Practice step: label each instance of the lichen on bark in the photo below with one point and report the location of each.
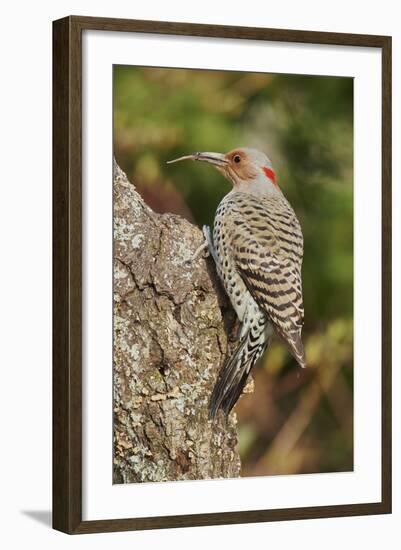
(171, 327)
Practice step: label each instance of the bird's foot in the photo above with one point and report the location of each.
(208, 236)
(204, 250)
(201, 251)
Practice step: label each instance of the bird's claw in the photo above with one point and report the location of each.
(201, 251)
(208, 236)
(204, 250)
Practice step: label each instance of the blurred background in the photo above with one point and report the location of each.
(295, 421)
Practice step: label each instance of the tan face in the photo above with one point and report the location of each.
(239, 167)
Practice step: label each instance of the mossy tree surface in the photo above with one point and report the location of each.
(171, 326)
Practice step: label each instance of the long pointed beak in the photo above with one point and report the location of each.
(218, 159)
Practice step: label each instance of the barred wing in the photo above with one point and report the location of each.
(268, 249)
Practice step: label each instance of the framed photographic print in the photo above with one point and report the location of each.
(222, 274)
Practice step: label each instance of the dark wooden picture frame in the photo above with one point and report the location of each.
(67, 274)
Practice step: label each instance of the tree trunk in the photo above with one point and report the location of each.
(171, 327)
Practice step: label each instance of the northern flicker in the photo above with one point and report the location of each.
(258, 248)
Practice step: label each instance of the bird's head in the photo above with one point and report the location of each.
(249, 170)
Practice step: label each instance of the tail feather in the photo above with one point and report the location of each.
(234, 374)
(227, 380)
(231, 398)
(293, 341)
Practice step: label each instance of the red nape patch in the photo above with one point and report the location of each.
(270, 174)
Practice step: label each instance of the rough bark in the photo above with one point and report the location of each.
(171, 326)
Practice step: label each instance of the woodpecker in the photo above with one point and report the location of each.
(257, 247)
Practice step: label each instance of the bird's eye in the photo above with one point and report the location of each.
(237, 159)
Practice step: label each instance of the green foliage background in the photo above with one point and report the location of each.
(294, 422)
